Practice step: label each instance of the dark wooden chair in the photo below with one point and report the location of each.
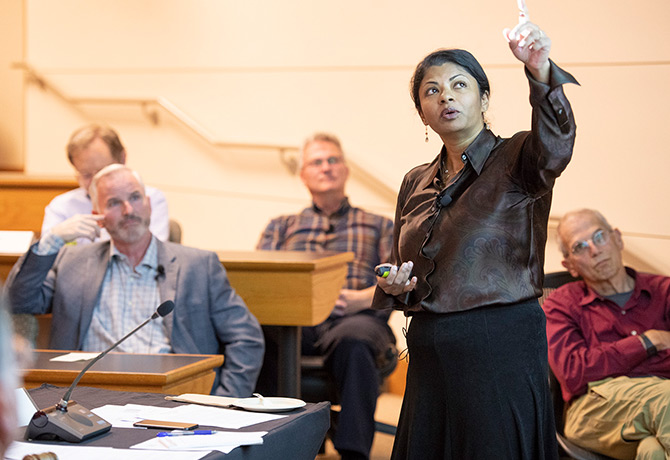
(317, 384)
(174, 232)
(553, 281)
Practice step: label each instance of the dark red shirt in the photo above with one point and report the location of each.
(590, 337)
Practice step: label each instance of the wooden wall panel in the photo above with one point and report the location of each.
(23, 198)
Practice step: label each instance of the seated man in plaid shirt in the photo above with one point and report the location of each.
(354, 335)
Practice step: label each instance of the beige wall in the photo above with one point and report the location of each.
(11, 82)
(273, 72)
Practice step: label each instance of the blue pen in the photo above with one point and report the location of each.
(163, 434)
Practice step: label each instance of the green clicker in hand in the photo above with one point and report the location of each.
(383, 270)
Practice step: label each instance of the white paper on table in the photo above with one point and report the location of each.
(215, 416)
(15, 242)
(20, 449)
(125, 416)
(223, 441)
(25, 406)
(207, 400)
(72, 357)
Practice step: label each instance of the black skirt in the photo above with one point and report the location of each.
(477, 387)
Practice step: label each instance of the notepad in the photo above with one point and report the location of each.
(15, 242)
(25, 406)
(207, 400)
(223, 441)
(74, 357)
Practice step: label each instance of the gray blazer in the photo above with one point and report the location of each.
(209, 317)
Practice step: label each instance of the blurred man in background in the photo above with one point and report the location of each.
(90, 149)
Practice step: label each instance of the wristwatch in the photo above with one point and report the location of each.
(650, 347)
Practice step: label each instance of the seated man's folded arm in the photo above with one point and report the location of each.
(575, 361)
(30, 284)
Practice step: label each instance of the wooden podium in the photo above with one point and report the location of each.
(289, 289)
(22, 202)
(7, 261)
(150, 373)
(24, 197)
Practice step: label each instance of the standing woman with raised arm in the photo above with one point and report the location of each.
(469, 237)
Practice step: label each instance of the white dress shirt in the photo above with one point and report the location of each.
(77, 201)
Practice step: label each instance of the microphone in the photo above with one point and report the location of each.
(160, 271)
(445, 199)
(442, 199)
(68, 420)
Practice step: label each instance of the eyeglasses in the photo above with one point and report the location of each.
(599, 238)
(330, 160)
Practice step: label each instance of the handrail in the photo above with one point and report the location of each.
(289, 155)
(553, 223)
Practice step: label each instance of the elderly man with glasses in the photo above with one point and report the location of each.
(608, 338)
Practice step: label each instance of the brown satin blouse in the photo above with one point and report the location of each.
(480, 241)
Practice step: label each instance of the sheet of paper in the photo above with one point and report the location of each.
(125, 416)
(77, 452)
(222, 441)
(214, 416)
(15, 242)
(72, 357)
(25, 407)
(207, 400)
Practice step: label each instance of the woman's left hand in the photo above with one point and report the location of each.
(531, 46)
(399, 279)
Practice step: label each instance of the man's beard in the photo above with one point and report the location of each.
(130, 233)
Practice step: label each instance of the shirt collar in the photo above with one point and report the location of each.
(84, 192)
(344, 207)
(150, 258)
(476, 154)
(590, 295)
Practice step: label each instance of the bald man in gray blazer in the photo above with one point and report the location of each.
(92, 289)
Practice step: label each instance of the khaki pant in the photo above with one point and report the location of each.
(624, 418)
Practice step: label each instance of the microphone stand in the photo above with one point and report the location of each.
(70, 421)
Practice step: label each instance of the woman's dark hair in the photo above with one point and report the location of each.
(461, 58)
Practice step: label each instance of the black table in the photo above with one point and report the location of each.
(296, 437)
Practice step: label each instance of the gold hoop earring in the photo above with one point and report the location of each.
(426, 133)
